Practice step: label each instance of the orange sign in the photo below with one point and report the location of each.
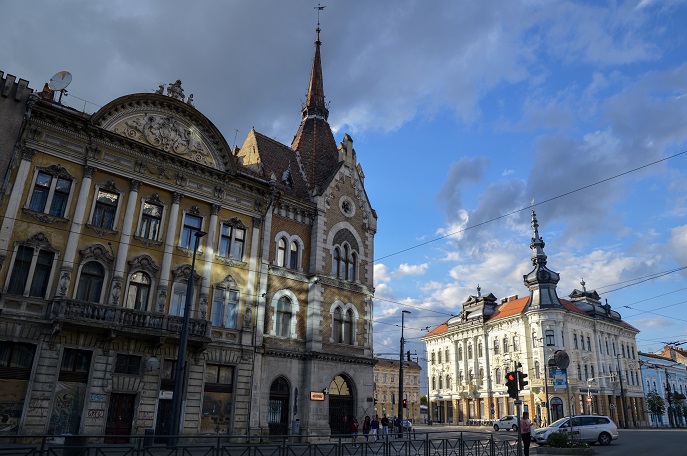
(316, 396)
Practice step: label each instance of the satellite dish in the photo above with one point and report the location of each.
(60, 81)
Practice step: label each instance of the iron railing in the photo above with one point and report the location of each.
(415, 444)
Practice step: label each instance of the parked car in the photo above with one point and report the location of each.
(507, 422)
(407, 425)
(585, 428)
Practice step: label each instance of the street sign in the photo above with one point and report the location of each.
(517, 402)
(316, 396)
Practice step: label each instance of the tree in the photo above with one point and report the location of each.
(423, 400)
(655, 403)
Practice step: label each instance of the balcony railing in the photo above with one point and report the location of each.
(100, 316)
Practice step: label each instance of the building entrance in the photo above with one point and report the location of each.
(278, 411)
(120, 416)
(557, 411)
(340, 406)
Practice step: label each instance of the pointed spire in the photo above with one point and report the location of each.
(315, 105)
(541, 281)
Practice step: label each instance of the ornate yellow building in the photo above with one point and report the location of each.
(386, 388)
(100, 215)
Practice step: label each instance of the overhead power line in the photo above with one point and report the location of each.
(508, 214)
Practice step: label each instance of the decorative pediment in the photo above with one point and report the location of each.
(235, 222)
(144, 262)
(56, 170)
(227, 283)
(39, 241)
(97, 252)
(167, 133)
(183, 272)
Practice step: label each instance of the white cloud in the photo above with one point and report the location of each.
(405, 269)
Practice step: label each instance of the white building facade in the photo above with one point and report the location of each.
(668, 379)
(470, 354)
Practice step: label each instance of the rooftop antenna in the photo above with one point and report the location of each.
(59, 83)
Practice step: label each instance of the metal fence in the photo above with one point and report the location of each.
(419, 444)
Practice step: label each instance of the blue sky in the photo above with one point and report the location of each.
(461, 112)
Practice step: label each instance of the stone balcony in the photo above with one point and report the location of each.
(114, 322)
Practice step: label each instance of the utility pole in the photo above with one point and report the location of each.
(670, 401)
(400, 375)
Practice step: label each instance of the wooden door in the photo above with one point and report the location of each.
(120, 418)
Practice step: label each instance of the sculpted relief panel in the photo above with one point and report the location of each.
(169, 134)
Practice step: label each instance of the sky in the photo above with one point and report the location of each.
(462, 113)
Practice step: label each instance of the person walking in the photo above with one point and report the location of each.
(374, 428)
(385, 425)
(366, 426)
(525, 428)
(354, 431)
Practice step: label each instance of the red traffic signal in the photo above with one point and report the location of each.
(512, 384)
(405, 403)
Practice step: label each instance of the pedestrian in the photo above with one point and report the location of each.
(525, 428)
(374, 427)
(366, 426)
(354, 431)
(537, 420)
(385, 425)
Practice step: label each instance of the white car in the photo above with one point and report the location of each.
(507, 422)
(585, 428)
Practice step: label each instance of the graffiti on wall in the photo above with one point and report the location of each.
(67, 408)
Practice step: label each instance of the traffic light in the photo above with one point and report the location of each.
(405, 403)
(375, 401)
(408, 354)
(512, 384)
(522, 383)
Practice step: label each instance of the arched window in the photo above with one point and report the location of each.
(139, 290)
(337, 262)
(469, 351)
(461, 377)
(91, 282)
(337, 335)
(537, 373)
(439, 355)
(592, 369)
(623, 349)
(281, 252)
(535, 341)
(497, 374)
(460, 353)
(284, 317)
(348, 328)
(446, 355)
(579, 372)
(496, 346)
(575, 341)
(586, 372)
(441, 384)
(448, 382)
(481, 375)
(479, 350)
(505, 344)
(352, 269)
(293, 256)
(345, 263)
(434, 383)
(516, 343)
(433, 357)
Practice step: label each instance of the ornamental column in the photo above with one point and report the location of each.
(75, 232)
(210, 248)
(167, 256)
(14, 202)
(124, 241)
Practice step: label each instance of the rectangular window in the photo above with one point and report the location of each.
(22, 274)
(151, 219)
(191, 226)
(50, 194)
(225, 308)
(20, 270)
(178, 302)
(105, 209)
(231, 242)
(239, 240)
(128, 364)
(550, 338)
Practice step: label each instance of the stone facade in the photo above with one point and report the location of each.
(96, 257)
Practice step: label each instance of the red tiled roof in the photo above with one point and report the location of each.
(441, 329)
(510, 308)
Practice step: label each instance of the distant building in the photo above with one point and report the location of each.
(660, 374)
(470, 354)
(386, 379)
(99, 214)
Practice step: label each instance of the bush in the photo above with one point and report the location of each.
(563, 440)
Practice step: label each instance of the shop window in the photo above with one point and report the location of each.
(217, 399)
(16, 361)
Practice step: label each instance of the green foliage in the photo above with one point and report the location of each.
(655, 403)
(423, 400)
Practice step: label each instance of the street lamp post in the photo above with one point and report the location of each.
(179, 376)
(671, 419)
(400, 375)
